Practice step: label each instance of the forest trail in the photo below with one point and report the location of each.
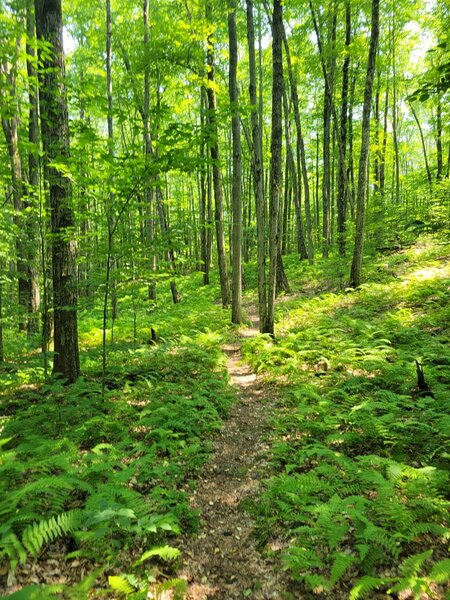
(223, 561)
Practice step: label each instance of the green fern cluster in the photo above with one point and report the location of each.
(362, 452)
(104, 477)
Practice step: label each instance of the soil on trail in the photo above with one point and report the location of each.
(223, 561)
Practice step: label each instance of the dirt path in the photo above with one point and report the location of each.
(223, 561)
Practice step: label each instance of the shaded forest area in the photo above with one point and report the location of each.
(170, 168)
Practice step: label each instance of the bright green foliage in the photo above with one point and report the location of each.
(361, 451)
(103, 478)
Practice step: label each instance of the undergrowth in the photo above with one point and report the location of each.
(361, 499)
(101, 483)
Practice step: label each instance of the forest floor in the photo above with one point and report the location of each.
(223, 561)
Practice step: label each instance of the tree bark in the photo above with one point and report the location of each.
(301, 154)
(290, 163)
(276, 173)
(204, 230)
(439, 155)
(257, 169)
(55, 140)
(342, 187)
(355, 273)
(424, 148)
(217, 175)
(236, 198)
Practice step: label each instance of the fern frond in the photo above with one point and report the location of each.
(37, 535)
(166, 553)
(412, 565)
(364, 585)
(341, 563)
(440, 572)
(120, 584)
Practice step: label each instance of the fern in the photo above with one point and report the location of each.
(365, 585)
(441, 571)
(120, 584)
(37, 535)
(412, 565)
(166, 553)
(340, 564)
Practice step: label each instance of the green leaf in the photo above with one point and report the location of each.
(341, 563)
(166, 553)
(441, 571)
(120, 584)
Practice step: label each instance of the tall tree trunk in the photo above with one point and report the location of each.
(33, 171)
(439, 156)
(276, 173)
(351, 165)
(384, 144)
(355, 273)
(148, 150)
(290, 163)
(236, 199)
(424, 148)
(301, 154)
(257, 167)
(327, 113)
(395, 116)
(55, 140)
(217, 175)
(204, 230)
(342, 187)
(10, 125)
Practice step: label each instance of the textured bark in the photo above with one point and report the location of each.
(236, 199)
(301, 154)
(55, 140)
(355, 273)
(10, 125)
(327, 114)
(342, 188)
(204, 230)
(439, 156)
(276, 174)
(384, 144)
(292, 172)
(144, 110)
(424, 148)
(351, 166)
(33, 171)
(396, 187)
(257, 168)
(217, 175)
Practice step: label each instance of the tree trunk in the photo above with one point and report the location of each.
(384, 144)
(290, 163)
(236, 199)
(204, 230)
(355, 274)
(301, 154)
(217, 175)
(55, 140)
(395, 117)
(276, 173)
(439, 156)
(257, 168)
(342, 187)
(10, 125)
(424, 148)
(33, 171)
